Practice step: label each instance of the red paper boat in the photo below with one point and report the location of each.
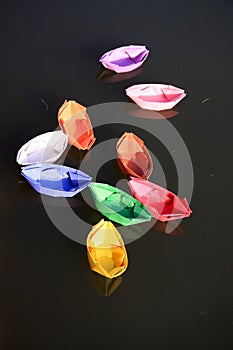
(133, 156)
(163, 204)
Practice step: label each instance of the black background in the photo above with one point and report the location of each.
(177, 291)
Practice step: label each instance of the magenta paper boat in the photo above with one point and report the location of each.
(124, 59)
(157, 97)
(163, 204)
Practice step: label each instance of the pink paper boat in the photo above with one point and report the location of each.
(163, 204)
(157, 97)
(124, 59)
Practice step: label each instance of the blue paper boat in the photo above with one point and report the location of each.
(56, 180)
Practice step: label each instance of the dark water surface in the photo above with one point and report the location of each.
(177, 291)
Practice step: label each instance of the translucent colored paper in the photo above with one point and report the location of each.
(156, 97)
(44, 148)
(134, 156)
(124, 59)
(117, 205)
(106, 251)
(56, 180)
(75, 122)
(163, 204)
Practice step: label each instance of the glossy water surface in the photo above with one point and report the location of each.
(177, 291)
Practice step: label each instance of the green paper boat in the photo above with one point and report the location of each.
(117, 205)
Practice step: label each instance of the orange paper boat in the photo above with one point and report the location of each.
(133, 156)
(75, 122)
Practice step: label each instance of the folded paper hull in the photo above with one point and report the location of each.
(106, 251)
(157, 97)
(133, 156)
(163, 204)
(75, 122)
(117, 205)
(44, 148)
(56, 180)
(125, 58)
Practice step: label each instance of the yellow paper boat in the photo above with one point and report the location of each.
(106, 251)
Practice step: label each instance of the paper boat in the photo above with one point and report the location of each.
(163, 204)
(44, 148)
(134, 156)
(117, 205)
(157, 97)
(56, 180)
(106, 251)
(75, 122)
(124, 59)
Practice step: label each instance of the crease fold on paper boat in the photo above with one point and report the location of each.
(124, 59)
(157, 97)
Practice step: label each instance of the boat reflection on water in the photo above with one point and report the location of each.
(134, 232)
(104, 286)
(77, 203)
(107, 76)
(172, 228)
(135, 111)
(78, 156)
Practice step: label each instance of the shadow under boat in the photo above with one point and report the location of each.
(135, 111)
(107, 76)
(103, 285)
